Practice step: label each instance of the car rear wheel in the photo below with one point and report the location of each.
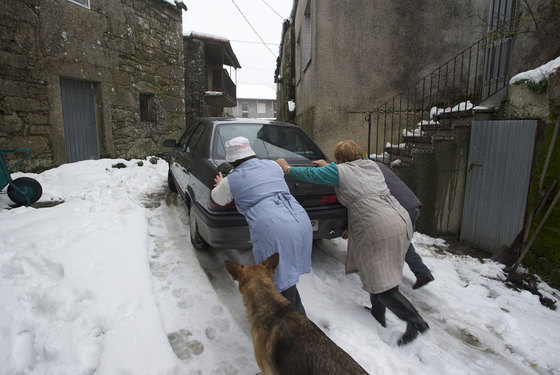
(196, 240)
(171, 182)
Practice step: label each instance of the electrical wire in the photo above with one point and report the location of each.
(273, 10)
(249, 23)
(250, 42)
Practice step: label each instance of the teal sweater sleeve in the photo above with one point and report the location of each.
(327, 175)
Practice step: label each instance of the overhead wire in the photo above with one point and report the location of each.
(253, 42)
(249, 23)
(273, 9)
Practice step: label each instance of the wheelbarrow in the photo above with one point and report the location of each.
(24, 190)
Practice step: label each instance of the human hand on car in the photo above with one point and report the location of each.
(218, 179)
(344, 234)
(320, 163)
(283, 164)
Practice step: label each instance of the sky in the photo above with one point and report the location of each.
(100, 278)
(222, 18)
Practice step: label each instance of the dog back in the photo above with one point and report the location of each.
(285, 342)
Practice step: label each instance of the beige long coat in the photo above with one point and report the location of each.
(379, 228)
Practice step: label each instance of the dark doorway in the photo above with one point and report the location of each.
(78, 114)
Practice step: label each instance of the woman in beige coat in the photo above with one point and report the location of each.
(379, 230)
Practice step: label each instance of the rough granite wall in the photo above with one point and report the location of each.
(195, 79)
(123, 47)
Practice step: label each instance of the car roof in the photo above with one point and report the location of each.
(242, 120)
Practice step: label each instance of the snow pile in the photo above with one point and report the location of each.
(463, 106)
(538, 74)
(74, 278)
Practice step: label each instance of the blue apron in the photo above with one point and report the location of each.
(277, 222)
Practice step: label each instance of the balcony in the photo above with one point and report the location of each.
(223, 91)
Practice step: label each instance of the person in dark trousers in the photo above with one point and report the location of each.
(412, 205)
(379, 231)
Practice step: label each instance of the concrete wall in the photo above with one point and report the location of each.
(438, 178)
(363, 53)
(123, 47)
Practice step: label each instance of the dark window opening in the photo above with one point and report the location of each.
(147, 108)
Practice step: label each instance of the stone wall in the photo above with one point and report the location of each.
(542, 102)
(123, 47)
(286, 76)
(195, 79)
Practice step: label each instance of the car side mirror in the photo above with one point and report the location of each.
(225, 167)
(169, 143)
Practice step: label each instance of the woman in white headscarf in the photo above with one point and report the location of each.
(277, 222)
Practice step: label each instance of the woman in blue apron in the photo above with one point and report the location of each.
(277, 222)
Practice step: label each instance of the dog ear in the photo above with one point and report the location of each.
(234, 269)
(272, 262)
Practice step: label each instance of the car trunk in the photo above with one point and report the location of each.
(311, 195)
(307, 194)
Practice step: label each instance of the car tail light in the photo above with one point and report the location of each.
(329, 199)
(216, 206)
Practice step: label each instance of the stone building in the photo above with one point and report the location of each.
(84, 79)
(341, 60)
(430, 78)
(209, 88)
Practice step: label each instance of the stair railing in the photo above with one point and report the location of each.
(452, 89)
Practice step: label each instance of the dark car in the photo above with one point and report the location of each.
(196, 157)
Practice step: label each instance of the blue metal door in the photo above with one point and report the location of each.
(78, 113)
(498, 176)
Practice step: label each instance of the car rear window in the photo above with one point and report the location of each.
(268, 141)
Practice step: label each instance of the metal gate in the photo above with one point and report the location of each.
(78, 113)
(498, 176)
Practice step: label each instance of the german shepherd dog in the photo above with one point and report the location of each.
(285, 342)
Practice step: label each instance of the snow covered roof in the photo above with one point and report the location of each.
(255, 92)
(177, 3)
(217, 48)
(199, 35)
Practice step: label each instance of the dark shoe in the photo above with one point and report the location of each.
(412, 331)
(423, 281)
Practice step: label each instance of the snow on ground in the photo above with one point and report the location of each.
(106, 282)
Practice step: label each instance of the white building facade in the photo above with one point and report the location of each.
(255, 101)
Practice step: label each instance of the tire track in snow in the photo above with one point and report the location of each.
(200, 327)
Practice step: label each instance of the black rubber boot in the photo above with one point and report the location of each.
(378, 310)
(412, 331)
(404, 310)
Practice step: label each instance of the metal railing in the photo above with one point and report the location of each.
(452, 89)
(223, 83)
